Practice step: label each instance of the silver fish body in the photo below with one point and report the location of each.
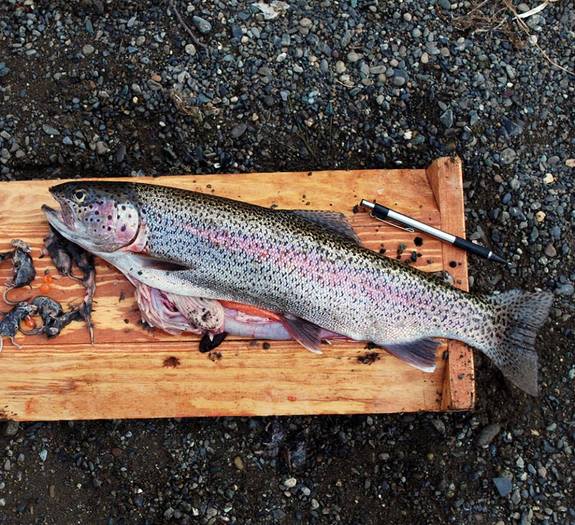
(315, 276)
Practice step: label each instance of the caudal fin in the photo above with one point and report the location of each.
(519, 316)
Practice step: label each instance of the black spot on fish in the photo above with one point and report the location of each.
(109, 217)
(123, 228)
(418, 241)
(452, 264)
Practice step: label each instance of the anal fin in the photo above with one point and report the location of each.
(419, 354)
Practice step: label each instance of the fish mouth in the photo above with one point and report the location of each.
(57, 220)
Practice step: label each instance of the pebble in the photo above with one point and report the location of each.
(550, 250)
(43, 454)
(88, 49)
(202, 24)
(508, 155)
(447, 118)
(290, 483)
(339, 67)
(190, 49)
(399, 80)
(445, 4)
(101, 148)
(49, 130)
(239, 130)
(353, 57)
(239, 463)
(565, 289)
(503, 486)
(488, 434)
(11, 428)
(549, 178)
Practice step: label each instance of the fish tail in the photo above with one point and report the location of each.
(517, 317)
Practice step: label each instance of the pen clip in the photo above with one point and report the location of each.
(409, 229)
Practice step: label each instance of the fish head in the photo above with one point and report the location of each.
(103, 214)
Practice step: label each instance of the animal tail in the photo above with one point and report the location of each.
(518, 316)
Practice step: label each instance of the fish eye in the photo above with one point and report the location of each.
(79, 196)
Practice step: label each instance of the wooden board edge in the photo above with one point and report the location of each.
(445, 176)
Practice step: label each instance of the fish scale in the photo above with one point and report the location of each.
(314, 276)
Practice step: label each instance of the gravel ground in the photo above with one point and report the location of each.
(106, 87)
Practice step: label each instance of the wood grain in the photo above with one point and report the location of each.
(129, 373)
(446, 180)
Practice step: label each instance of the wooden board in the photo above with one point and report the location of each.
(132, 372)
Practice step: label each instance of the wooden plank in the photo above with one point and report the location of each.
(446, 180)
(127, 374)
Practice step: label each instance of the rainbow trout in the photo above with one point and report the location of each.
(306, 267)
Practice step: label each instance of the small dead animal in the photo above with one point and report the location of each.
(23, 271)
(10, 322)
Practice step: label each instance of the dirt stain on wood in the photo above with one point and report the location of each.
(171, 362)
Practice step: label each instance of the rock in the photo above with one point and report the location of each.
(398, 80)
(488, 434)
(49, 130)
(570, 163)
(508, 155)
(339, 67)
(447, 118)
(424, 58)
(445, 4)
(550, 250)
(202, 24)
(190, 49)
(439, 425)
(238, 463)
(43, 454)
(549, 178)
(305, 22)
(290, 483)
(11, 428)
(565, 289)
(239, 130)
(101, 148)
(540, 216)
(503, 486)
(88, 49)
(353, 57)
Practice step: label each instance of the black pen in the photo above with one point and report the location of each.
(382, 213)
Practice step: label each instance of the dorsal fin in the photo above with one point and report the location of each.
(332, 220)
